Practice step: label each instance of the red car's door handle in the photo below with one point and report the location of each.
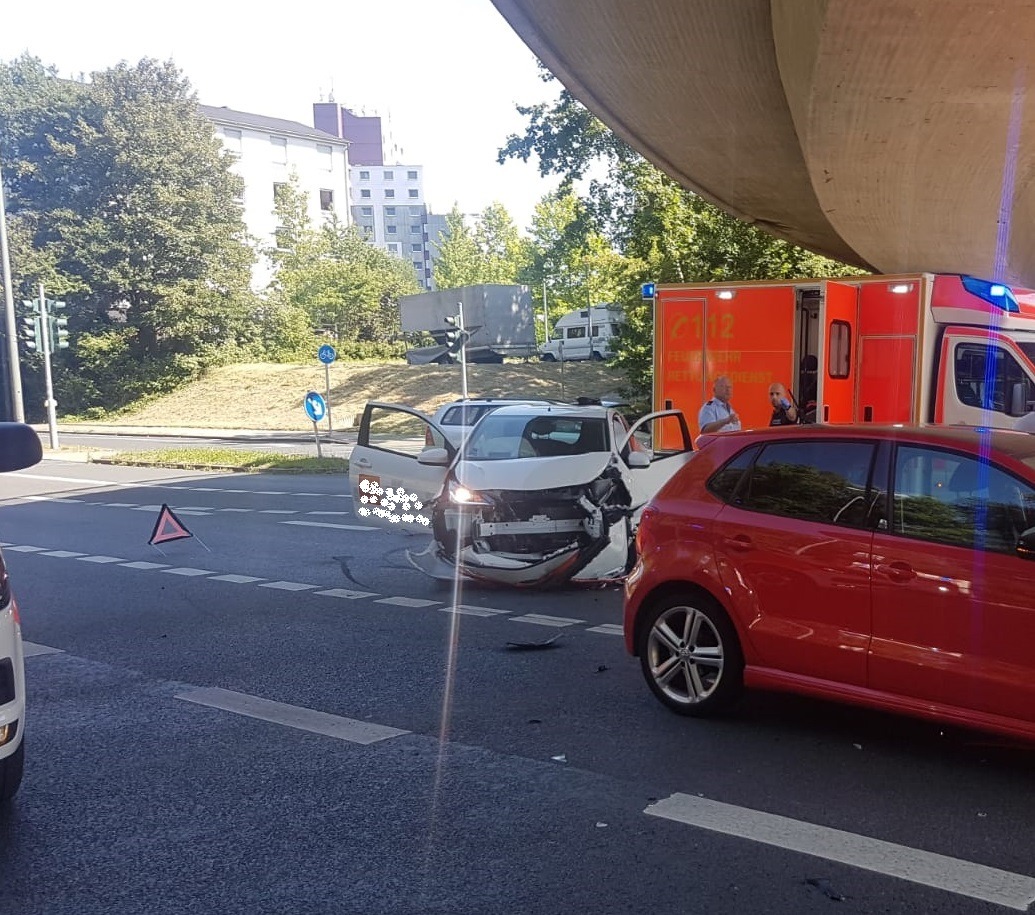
(897, 570)
(740, 542)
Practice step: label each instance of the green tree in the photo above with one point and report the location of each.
(577, 264)
(490, 252)
(459, 261)
(502, 251)
(122, 201)
(334, 276)
(664, 232)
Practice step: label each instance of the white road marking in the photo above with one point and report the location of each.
(237, 579)
(328, 513)
(145, 484)
(340, 527)
(288, 586)
(292, 716)
(407, 602)
(147, 508)
(34, 650)
(342, 593)
(117, 504)
(469, 610)
(234, 509)
(607, 629)
(278, 511)
(540, 619)
(1015, 891)
(189, 511)
(347, 594)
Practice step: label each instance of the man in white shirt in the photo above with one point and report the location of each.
(717, 415)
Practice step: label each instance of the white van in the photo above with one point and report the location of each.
(585, 334)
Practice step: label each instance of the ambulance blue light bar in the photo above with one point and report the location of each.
(996, 294)
(648, 290)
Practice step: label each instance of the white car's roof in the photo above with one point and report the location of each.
(569, 410)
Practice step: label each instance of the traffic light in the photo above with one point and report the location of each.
(456, 335)
(58, 333)
(30, 332)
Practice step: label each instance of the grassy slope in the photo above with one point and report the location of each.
(259, 396)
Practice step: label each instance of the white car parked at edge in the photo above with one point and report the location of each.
(535, 495)
(19, 448)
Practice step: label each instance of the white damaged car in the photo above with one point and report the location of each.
(537, 495)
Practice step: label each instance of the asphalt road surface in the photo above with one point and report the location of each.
(280, 715)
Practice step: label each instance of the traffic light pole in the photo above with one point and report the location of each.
(45, 346)
(10, 322)
(463, 349)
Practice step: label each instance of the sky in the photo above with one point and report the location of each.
(444, 74)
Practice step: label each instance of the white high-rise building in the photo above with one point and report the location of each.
(387, 199)
(269, 152)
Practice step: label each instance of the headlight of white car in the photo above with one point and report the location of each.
(461, 495)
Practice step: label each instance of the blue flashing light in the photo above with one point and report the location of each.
(648, 290)
(994, 293)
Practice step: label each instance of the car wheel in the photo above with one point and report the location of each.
(11, 773)
(597, 357)
(548, 357)
(690, 655)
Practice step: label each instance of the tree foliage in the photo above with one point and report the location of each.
(121, 200)
(492, 251)
(334, 276)
(658, 230)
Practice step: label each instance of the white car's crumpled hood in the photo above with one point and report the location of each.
(532, 473)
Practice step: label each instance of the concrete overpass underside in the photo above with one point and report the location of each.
(897, 135)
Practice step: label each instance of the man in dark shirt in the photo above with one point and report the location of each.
(784, 412)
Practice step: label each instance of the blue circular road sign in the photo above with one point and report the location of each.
(315, 406)
(327, 354)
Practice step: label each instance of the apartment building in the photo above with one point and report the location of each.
(386, 199)
(268, 152)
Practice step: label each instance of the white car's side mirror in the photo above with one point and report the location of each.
(436, 457)
(638, 459)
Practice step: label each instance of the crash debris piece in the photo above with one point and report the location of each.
(533, 646)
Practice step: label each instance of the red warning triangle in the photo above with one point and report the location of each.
(168, 527)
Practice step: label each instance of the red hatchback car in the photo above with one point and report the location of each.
(887, 567)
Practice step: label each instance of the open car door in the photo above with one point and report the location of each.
(657, 445)
(398, 467)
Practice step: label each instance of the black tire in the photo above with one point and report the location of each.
(548, 357)
(597, 357)
(11, 770)
(694, 665)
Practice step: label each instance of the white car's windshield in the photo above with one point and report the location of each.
(504, 438)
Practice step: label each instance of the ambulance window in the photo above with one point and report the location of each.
(839, 349)
(575, 333)
(986, 375)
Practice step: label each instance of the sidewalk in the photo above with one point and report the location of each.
(341, 437)
(345, 438)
